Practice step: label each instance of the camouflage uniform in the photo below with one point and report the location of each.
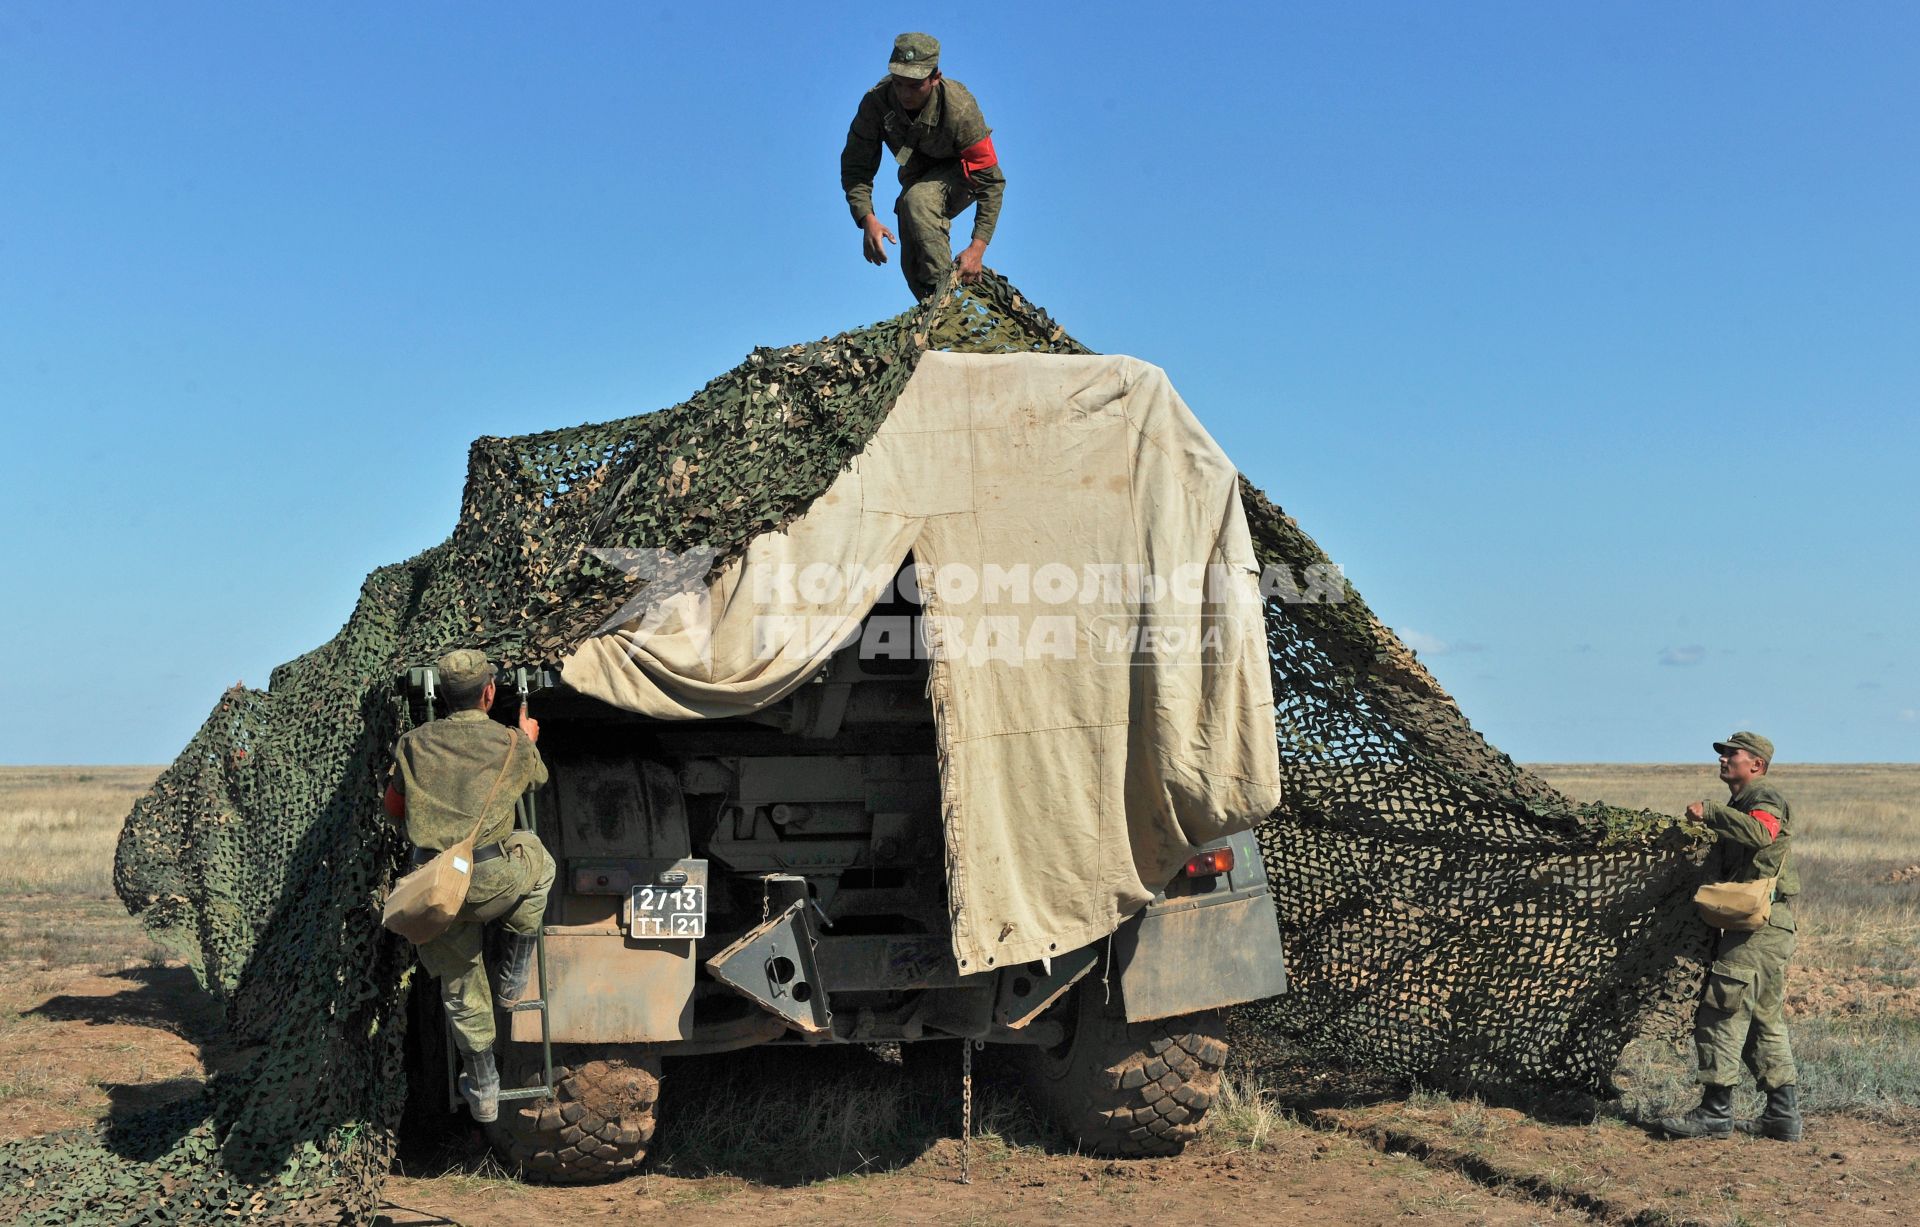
(445, 771)
(1741, 1014)
(947, 162)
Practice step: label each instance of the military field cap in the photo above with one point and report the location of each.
(915, 55)
(463, 668)
(1752, 743)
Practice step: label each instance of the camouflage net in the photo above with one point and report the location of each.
(1449, 916)
(1446, 914)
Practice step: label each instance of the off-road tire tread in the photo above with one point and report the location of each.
(1130, 1090)
(563, 1140)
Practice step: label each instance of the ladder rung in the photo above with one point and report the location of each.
(531, 1092)
(536, 1004)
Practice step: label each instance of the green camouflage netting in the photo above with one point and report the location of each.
(1447, 915)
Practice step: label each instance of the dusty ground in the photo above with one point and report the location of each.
(94, 1022)
(1303, 1178)
(106, 1043)
(1849, 1172)
(94, 1042)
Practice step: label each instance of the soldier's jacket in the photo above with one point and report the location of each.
(948, 129)
(445, 769)
(1753, 838)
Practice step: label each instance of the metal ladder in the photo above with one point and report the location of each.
(525, 820)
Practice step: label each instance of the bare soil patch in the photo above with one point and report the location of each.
(1815, 991)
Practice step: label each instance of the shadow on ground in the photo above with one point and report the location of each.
(169, 1001)
(165, 998)
(786, 1116)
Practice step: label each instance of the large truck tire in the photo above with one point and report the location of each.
(1127, 1089)
(597, 1125)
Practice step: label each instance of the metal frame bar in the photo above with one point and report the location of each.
(524, 813)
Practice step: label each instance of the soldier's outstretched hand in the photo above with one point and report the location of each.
(529, 725)
(873, 232)
(970, 258)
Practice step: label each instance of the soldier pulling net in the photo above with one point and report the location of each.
(1447, 915)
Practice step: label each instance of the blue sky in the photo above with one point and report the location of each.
(1586, 338)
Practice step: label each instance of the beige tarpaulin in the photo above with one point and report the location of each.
(1099, 668)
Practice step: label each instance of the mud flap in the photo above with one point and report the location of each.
(773, 966)
(1199, 955)
(591, 983)
(1214, 943)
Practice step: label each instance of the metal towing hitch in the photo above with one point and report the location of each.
(773, 964)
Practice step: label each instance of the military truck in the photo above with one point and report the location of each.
(781, 879)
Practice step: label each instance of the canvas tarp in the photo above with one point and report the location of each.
(1098, 660)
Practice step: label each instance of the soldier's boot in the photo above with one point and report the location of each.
(516, 971)
(1780, 1120)
(1712, 1119)
(480, 1085)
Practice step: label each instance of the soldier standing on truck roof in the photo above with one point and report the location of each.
(445, 771)
(1741, 1016)
(935, 131)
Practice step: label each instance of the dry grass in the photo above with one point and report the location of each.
(58, 826)
(781, 1115)
(1247, 1116)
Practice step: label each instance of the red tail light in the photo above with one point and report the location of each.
(1207, 864)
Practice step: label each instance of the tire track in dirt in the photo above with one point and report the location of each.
(1491, 1176)
(1849, 1169)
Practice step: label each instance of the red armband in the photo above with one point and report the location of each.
(979, 156)
(394, 802)
(1768, 821)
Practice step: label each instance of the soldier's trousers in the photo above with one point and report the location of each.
(925, 211)
(1742, 1012)
(511, 889)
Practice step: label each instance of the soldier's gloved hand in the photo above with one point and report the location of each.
(873, 232)
(969, 261)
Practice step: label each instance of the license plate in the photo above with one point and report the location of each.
(668, 911)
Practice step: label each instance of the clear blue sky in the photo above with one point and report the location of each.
(1587, 337)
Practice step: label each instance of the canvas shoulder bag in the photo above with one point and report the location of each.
(421, 905)
(1742, 907)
